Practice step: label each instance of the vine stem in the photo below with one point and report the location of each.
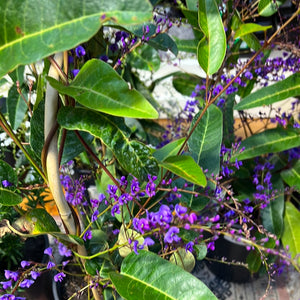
(52, 164)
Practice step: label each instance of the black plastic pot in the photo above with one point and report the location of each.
(232, 251)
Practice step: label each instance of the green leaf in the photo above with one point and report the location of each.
(205, 142)
(201, 251)
(145, 58)
(281, 90)
(212, 48)
(160, 42)
(8, 173)
(109, 94)
(185, 83)
(250, 39)
(38, 28)
(291, 231)
(133, 156)
(185, 167)
(247, 28)
(16, 107)
(189, 46)
(269, 141)
(292, 176)
(272, 214)
(183, 259)
(41, 221)
(151, 277)
(168, 150)
(254, 261)
(9, 198)
(267, 8)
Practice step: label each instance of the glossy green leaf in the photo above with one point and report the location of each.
(185, 167)
(247, 28)
(281, 90)
(250, 39)
(189, 46)
(269, 141)
(292, 176)
(272, 214)
(205, 142)
(254, 261)
(41, 221)
(267, 8)
(212, 48)
(291, 233)
(170, 149)
(109, 94)
(9, 198)
(38, 28)
(183, 259)
(185, 83)
(145, 58)
(8, 173)
(151, 277)
(133, 156)
(192, 4)
(201, 250)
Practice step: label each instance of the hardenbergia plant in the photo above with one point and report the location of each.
(83, 117)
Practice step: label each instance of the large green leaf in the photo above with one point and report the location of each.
(185, 167)
(146, 276)
(292, 176)
(9, 198)
(205, 142)
(269, 141)
(247, 28)
(291, 233)
(189, 46)
(99, 87)
(170, 149)
(133, 156)
(272, 214)
(267, 8)
(281, 90)
(31, 30)
(212, 48)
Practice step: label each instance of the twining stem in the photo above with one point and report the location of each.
(52, 164)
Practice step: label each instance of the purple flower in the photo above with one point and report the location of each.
(59, 277)
(75, 72)
(25, 263)
(34, 274)
(135, 187)
(11, 297)
(180, 210)
(189, 247)
(50, 265)
(63, 250)
(80, 51)
(6, 284)
(135, 246)
(248, 209)
(171, 235)
(143, 225)
(104, 58)
(87, 235)
(11, 275)
(148, 242)
(48, 251)
(248, 75)
(115, 210)
(150, 187)
(26, 283)
(6, 183)
(95, 215)
(192, 218)
(164, 215)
